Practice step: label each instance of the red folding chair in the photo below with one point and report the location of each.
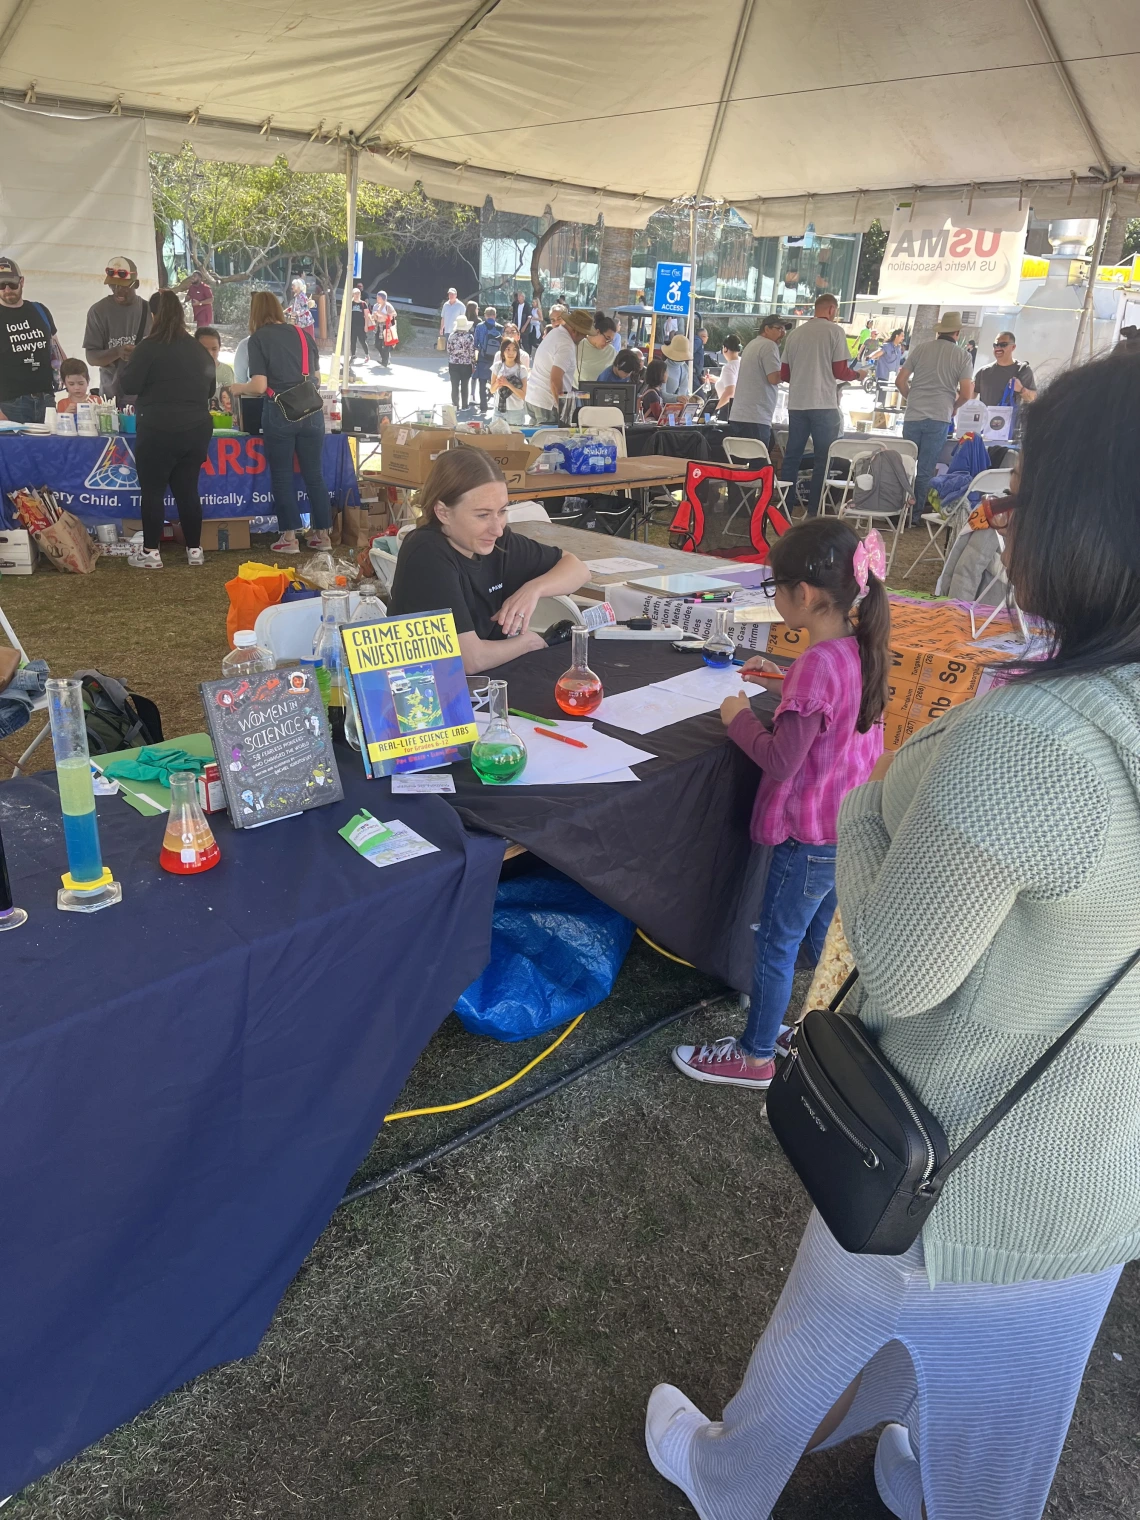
(706, 487)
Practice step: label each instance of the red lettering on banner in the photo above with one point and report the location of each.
(229, 452)
(208, 466)
(979, 242)
(255, 457)
(960, 241)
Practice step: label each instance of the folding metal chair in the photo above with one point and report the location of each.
(39, 704)
(844, 454)
(746, 451)
(892, 522)
(988, 482)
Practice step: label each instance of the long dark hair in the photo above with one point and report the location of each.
(169, 319)
(453, 474)
(821, 553)
(1075, 559)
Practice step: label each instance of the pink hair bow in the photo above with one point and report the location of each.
(870, 555)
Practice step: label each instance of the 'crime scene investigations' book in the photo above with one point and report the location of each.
(409, 691)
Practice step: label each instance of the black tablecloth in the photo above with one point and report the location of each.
(189, 1080)
(670, 851)
(704, 441)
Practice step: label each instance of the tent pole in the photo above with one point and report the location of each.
(344, 327)
(690, 324)
(1085, 323)
(652, 338)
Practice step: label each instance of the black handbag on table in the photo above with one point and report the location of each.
(871, 1155)
(303, 399)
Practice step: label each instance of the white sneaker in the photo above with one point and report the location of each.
(145, 559)
(897, 1474)
(195, 556)
(671, 1422)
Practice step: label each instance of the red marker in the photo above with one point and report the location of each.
(562, 738)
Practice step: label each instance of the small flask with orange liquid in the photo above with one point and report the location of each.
(578, 691)
(188, 846)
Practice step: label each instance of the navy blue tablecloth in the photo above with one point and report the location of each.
(188, 1081)
(95, 477)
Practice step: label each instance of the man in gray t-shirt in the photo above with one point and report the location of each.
(758, 384)
(935, 380)
(116, 323)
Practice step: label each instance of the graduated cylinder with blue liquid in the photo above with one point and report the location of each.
(87, 883)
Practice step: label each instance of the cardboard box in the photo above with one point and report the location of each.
(237, 529)
(511, 451)
(407, 453)
(132, 525)
(18, 552)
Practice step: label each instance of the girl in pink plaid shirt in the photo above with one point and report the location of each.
(825, 738)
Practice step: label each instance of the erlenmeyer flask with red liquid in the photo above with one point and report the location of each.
(578, 691)
(188, 846)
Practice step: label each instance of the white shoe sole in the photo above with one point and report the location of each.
(893, 1447)
(138, 564)
(706, 1076)
(665, 1403)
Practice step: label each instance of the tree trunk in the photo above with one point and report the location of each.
(536, 257)
(1114, 240)
(614, 263)
(925, 318)
(163, 272)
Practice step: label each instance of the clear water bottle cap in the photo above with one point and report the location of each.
(245, 638)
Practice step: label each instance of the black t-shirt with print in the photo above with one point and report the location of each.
(25, 351)
(431, 573)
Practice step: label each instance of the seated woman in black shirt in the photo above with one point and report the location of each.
(464, 556)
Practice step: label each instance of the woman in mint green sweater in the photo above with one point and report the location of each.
(989, 882)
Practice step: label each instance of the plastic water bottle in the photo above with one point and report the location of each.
(247, 657)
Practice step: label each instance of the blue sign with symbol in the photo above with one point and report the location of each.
(671, 290)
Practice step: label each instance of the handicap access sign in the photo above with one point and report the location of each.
(671, 290)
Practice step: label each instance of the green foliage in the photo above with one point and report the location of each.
(870, 259)
(1132, 238)
(254, 214)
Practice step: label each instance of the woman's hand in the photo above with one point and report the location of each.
(518, 609)
(758, 667)
(882, 765)
(731, 707)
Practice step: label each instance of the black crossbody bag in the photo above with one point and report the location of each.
(871, 1155)
(303, 399)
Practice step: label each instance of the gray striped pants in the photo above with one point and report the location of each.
(984, 1377)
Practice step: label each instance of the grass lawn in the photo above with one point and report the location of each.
(479, 1340)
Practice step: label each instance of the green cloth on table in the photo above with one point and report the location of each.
(155, 763)
(150, 797)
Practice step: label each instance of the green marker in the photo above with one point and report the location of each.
(517, 712)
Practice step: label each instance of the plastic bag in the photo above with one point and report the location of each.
(249, 597)
(322, 569)
(555, 951)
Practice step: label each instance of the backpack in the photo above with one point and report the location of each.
(889, 488)
(114, 717)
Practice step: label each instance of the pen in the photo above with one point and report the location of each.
(517, 712)
(577, 743)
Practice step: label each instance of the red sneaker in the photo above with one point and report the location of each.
(723, 1061)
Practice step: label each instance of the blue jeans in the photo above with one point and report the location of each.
(799, 903)
(26, 408)
(930, 435)
(823, 426)
(281, 439)
(761, 431)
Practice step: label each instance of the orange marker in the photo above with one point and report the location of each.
(562, 738)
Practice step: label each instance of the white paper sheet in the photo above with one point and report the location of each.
(706, 684)
(649, 708)
(620, 565)
(420, 782)
(550, 763)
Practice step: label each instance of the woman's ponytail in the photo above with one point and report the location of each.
(873, 635)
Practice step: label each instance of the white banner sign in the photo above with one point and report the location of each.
(940, 254)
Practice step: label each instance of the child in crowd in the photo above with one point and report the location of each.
(825, 739)
(76, 379)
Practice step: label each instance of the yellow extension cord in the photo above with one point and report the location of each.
(450, 1108)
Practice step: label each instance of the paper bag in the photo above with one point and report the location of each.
(67, 545)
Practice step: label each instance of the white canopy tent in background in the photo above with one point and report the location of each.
(826, 111)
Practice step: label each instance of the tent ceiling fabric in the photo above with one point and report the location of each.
(837, 107)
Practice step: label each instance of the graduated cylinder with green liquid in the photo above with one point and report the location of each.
(87, 883)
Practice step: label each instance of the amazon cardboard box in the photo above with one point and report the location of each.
(513, 454)
(407, 453)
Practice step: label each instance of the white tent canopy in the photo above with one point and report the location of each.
(827, 111)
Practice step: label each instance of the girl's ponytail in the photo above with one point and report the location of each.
(873, 635)
(821, 552)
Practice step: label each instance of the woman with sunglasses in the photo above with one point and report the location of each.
(987, 885)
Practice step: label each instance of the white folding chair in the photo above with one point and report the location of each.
(900, 446)
(989, 482)
(526, 511)
(750, 453)
(843, 454)
(553, 609)
(39, 704)
(998, 577)
(289, 628)
(604, 417)
(892, 522)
